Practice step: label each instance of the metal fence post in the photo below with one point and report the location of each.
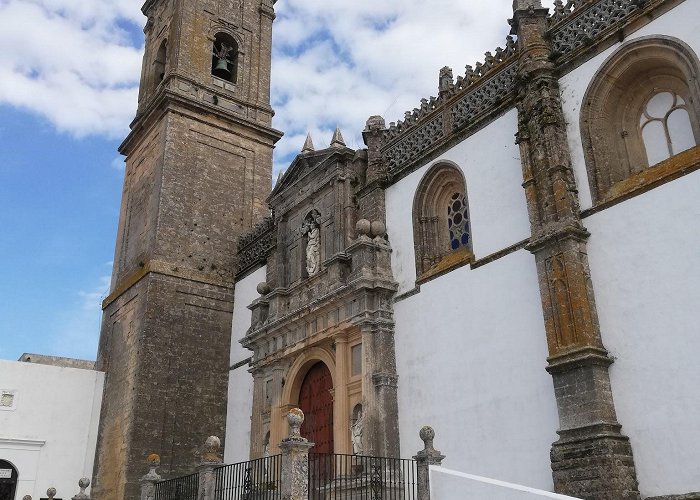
(148, 482)
(211, 460)
(424, 459)
(295, 459)
(83, 484)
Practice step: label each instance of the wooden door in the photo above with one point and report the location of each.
(8, 480)
(316, 401)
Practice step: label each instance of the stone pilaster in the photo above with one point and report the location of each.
(211, 460)
(372, 262)
(592, 458)
(295, 459)
(424, 459)
(341, 436)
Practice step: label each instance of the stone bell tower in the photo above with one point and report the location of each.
(198, 171)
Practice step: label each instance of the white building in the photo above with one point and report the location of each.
(601, 187)
(48, 424)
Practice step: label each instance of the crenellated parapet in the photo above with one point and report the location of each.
(459, 104)
(581, 23)
(488, 88)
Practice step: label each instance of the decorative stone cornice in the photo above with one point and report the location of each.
(255, 247)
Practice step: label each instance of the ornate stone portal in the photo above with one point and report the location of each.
(326, 306)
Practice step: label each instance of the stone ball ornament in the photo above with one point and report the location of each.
(378, 228)
(363, 227)
(51, 492)
(295, 418)
(263, 288)
(84, 483)
(427, 434)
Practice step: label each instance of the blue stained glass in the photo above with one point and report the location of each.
(449, 222)
(465, 238)
(455, 244)
(452, 235)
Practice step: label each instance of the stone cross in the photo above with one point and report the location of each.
(424, 459)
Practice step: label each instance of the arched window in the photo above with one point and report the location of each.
(8, 480)
(640, 109)
(224, 59)
(441, 227)
(161, 61)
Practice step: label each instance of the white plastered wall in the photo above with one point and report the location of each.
(470, 347)
(643, 258)
(50, 433)
(490, 161)
(240, 384)
(644, 262)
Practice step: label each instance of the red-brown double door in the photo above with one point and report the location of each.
(316, 401)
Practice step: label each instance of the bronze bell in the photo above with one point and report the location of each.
(221, 69)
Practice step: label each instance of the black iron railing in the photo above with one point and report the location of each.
(254, 480)
(355, 477)
(180, 488)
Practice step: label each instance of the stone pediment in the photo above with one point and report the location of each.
(306, 164)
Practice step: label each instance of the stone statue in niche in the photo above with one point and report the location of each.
(310, 228)
(356, 430)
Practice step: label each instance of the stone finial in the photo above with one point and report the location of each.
(337, 141)
(526, 5)
(308, 144)
(27, 497)
(428, 455)
(51, 492)
(446, 79)
(263, 288)
(211, 451)
(375, 122)
(82, 484)
(295, 418)
(363, 227)
(378, 228)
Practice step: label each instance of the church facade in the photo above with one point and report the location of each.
(513, 263)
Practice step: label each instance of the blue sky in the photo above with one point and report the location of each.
(66, 100)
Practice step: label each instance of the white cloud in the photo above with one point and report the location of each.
(335, 63)
(71, 62)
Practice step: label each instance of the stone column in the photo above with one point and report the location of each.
(82, 484)
(591, 459)
(211, 459)
(148, 482)
(256, 421)
(295, 459)
(424, 459)
(341, 436)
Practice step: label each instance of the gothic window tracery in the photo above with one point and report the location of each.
(441, 226)
(641, 109)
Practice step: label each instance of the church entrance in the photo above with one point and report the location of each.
(8, 480)
(316, 401)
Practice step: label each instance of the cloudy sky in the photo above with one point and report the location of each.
(69, 71)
